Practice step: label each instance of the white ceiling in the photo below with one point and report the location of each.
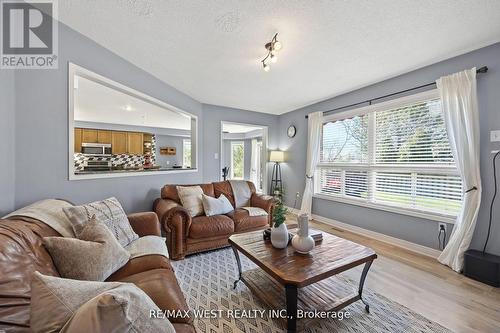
(97, 103)
(211, 50)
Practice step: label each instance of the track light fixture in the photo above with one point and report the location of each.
(272, 49)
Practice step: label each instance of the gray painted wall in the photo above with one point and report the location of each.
(416, 230)
(7, 141)
(41, 157)
(169, 141)
(212, 117)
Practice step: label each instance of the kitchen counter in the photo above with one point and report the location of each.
(129, 170)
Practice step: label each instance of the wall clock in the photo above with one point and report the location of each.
(291, 131)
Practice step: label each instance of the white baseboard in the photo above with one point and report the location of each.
(424, 250)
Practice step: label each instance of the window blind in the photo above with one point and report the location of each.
(399, 157)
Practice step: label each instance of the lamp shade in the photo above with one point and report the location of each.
(277, 156)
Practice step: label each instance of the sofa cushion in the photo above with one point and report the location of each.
(225, 188)
(102, 254)
(170, 191)
(243, 221)
(124, 309)
(209, 226)
(213, 206)
(139, 265)
(191, 199)
(109, 212)
(161, 285)
(22, 252)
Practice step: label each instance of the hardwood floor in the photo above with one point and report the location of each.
(424, 285)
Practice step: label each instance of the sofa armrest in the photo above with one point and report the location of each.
(176, 221)
(265, 202)
(145, 224)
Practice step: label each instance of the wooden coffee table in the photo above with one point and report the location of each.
(288, 280)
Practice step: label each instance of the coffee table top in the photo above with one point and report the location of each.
(329, 257)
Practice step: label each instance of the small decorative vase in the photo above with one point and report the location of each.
(279, 236)
(302, 242)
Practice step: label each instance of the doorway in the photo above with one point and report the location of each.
(243, 153)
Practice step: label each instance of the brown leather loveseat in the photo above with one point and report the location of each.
(188, 235)
(22, 253)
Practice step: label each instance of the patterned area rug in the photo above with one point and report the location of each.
(207, 282)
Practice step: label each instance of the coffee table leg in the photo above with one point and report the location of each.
(238, 262)
(291, 307)
(361, 284)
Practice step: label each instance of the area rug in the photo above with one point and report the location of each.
(207, 282)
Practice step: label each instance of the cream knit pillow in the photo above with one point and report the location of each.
(191, 199)
(219, 206)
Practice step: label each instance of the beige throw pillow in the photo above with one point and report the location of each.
(108, 211)
(124, 309)
(82, 306)
(94, 257)
(191, 199)
(219, 206)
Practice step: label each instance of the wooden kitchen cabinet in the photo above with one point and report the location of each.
(135, 143)
(104, 136)
(78, 140)
(119, 142)
(89, 135)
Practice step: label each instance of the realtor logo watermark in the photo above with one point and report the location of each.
(29, 34)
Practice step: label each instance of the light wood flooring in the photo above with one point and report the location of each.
(425, 286)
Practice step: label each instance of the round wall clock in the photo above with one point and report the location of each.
(291, 131)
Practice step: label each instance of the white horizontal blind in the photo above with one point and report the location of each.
(412, 134)
(398, 158)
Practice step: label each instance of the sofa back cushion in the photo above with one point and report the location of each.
(21, 253)
(170, 191)
(225, 188)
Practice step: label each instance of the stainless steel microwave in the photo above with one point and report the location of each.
(96, 149)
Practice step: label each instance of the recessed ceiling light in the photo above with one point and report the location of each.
(127, 108)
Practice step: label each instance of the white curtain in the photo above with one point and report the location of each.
(254, 164)
(314, 123)
(461, 115)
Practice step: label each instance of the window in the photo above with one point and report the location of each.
(394, 155)
(186, 153)
(237, 160)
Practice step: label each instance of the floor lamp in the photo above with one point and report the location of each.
(277, 156)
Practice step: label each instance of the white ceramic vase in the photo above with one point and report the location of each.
(302, 242)
(279, 236)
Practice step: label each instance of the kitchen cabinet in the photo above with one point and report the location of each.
(78, 140)
(104, 136)
(135, 143)
(119, 142)
(89, 135)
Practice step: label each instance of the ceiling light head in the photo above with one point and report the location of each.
(127, 108)
(266, 67)
(277, 46)
(274, 58)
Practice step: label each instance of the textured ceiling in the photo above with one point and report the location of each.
(211, 50)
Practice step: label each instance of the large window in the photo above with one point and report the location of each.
(393, 156)
(237, 160)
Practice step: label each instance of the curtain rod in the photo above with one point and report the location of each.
(483, 69)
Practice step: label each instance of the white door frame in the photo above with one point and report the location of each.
(263, 157)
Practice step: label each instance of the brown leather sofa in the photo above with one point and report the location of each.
(22, 253)
(187, 235)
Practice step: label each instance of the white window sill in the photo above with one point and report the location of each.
(404, 211)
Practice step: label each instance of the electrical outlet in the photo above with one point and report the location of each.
(442, 226)
(495, 136)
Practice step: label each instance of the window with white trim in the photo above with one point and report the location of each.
(394, 156)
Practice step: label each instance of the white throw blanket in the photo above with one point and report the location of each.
(255, 211)
(50, 212)
(241, 192)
